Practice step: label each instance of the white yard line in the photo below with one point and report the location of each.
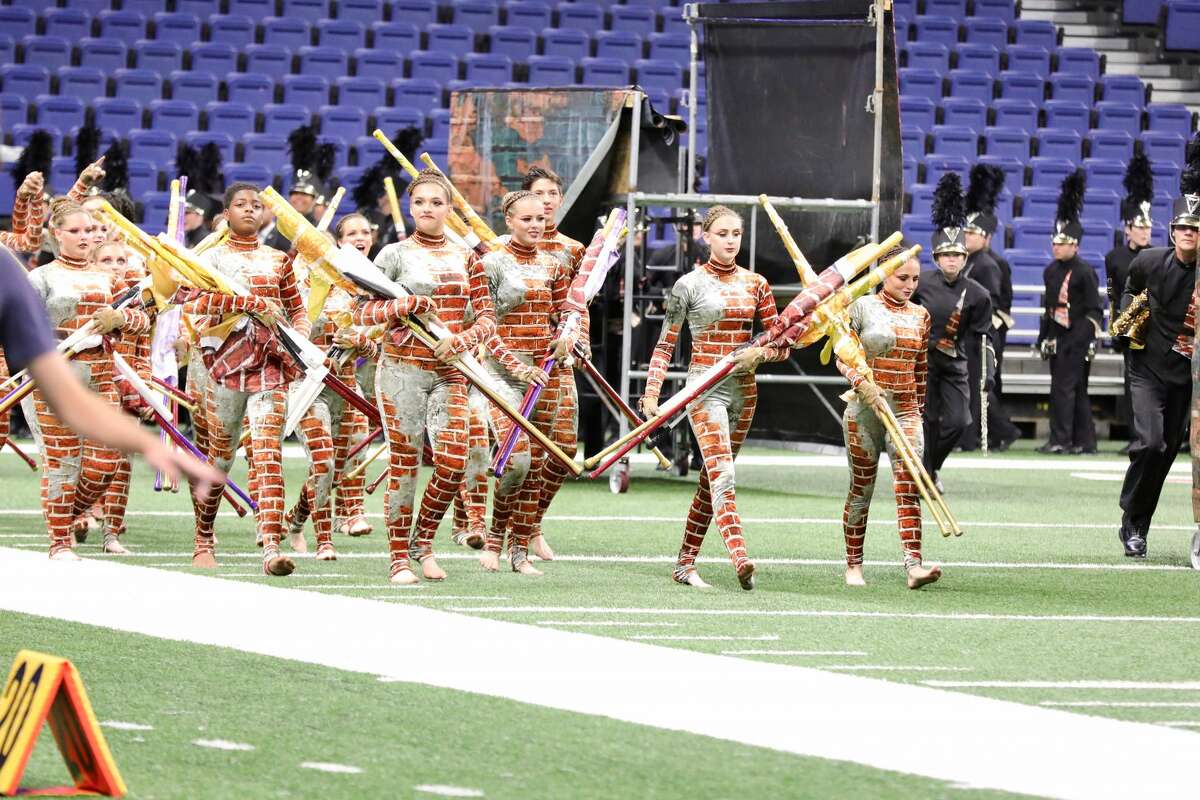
(295, 575)
(965, 739)
(322, 766)
(753, 612)
(448, 791)
(891, 668)
(222, 744)
(117, 725)
(653, 638)
(438, 597)
(1180, 723)
(1189, 686)
(793, 653)
(601, 623)
(1116, 704)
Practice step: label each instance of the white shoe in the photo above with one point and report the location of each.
(65, 555)
(1196, 550)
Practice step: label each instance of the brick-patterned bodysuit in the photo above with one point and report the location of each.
(25, 237)
(75, 472)
(527, 287)
(246, 377)
(417, 393)
(720, 303)
(895, 336)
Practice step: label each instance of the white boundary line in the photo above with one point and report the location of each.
(1115, 704)
(754, 612)
(654, 638)
(793, 653)
(1188, 686)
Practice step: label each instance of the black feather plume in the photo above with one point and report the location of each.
(1189, 179)
(984, 186)
(187, 162)
(326, 158)
(302, 145)
(211, 179)
(1139, 180)
(37, 156)
(949, 210)
(408, 141)
(116, 166)
(367, 191)
(87, 148)
(1070, 197)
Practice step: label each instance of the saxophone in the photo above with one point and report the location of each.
(1131, 323)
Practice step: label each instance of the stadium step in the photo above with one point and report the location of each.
(1152, 72)
(1098, 41)
(1059, 17)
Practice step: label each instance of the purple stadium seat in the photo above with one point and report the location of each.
(1050, 172)
(1170, 118)
(341, 33)
(532, 14)
(254, 90)
(271, 60)
(927, 55)
(1160, 208)
(604, 72)
(936, 166)
(1104, 173)
(367, 151)
(674, 23)
(142, 85)
(910, 168)
(103, 54)
(658, 74)
(155, 207)
(341, 149)
(955, 140)
(582, 16)
(50, 52)
(421, 13)
(920, 199)
(252, 8)
(8, 52)
(1069, 86)
(215, 57)
(456, 40)
(157, 147)
(438, 150)
(968, 83)
(223, 141)
(1163, 146)
(17, 21)
(979, 57)
(71, 24)
(280, 119)
(1103, 203)
(917, 110)
(515, 41)
(1006, 142)
(946, 8)
(1036, 32)
(670, 47)
(439, 123)
(434, 65)
(143, 177)
(367, 12)
(161, 57)
(1021, 86)
(917, 229)
(1067, 115)
(965, 111)
(620, 45)
(1097, 235)
(177, 27)
(1032, 232)
(30, 80)
(256, 174)
(22, 133)
(197, 87)
(308, 9)
(1014, 169)
(632, 19)
(1030, 58)
(390, 120)
(62, 171)
(551, 71)
(1181, 32)
(492, 69)
(200, 8)
(126, 26)
(1015, 113)
(937, 29)
(1140, 12)
(289, 32)
(478, 15)
(235, 119)
(1078, 60)
(381, 65)
(1112, 115)
(58, 111)
(361, 92)
(14, 109)
(346, 122)
(234, 29)
(912, 142)
(176, 116)
(568, 42)
(311, 91)
(399, 37)
(999, 9)
(904, 9)
(1123, 89)
(322, 61)
(419, 93)
(921, 83)
(1114, 144)
(1058, 143)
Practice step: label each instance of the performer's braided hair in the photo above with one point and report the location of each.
(715, 213)
(536, 174)
(61, 208)
(512, 198)
(429, 175)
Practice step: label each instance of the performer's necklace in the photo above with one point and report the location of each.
(241, 243)
(426, 240)
(72, 263)
(521, 251)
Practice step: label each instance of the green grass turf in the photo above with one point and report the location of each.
(772, 499)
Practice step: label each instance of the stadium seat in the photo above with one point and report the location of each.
(998, 9)
(71, 24)
(199, 87)
(1140, 12)
(1021, 86)
(433, 65)
(917, 229)
(418, 12)
(1036, 32)
(224, 142)
(532, 14)
(178, 27)
(382, 65)
(343, 34)
(457, 40)
(59, 111)
(18, 21)
(1067, 115)
(551, 71)
(117, 113)
(161, 57)
(50, 52)
(8, 52)
(397, 37)
(321, 61)
(289, 32)
(489, 69)
(1015, 113)
(142, 85)
(979, 57)
(1163, 146)
(270, 60)
(367, 150)
(232, 29)
(652, 74)
(1032, 233)
(390, 120)
(478, 15)
(619, 45)
(143, 177)
(674, 23)
(251, 8)
(310, 91)
(215, 57)
(365, 11)
(62, 171)
(965, 83)
(344, 121)
(1097, 237)
(341, 149)
(604, 72)
(936, 166)
(280, 119)
(965, 111)
(254, 90)
(917, 110)
(928, 55)
(155, 207)
(1123, 89)
(1029, 58)
(937, 29)
(515, 41)
(235, 119)
(1181, 30)
(633, 19)
(1170, 118)
(1048, 171)
(569, 43)
(1006, 142)
(176, 116)
(1113, 115)
(1014, 169)
(254, 173)
(1114, 144)
(1104, 173)
(157, 147)
(125, 26)
(921, 83)
(904, 9)
(1078, 60)
(361, 92)
(102, 54)
(910, 168)
(30, 80)
(986, 30)
(582, 16)
(22, 133)
(946, 8)
(1103, 203)
(1069, 86)
(912, 141)
(1059, 143)
(955, 140)
(921, 199)
(14, 109)
(419, 93)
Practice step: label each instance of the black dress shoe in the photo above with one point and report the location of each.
(1079, 450)
(1002, 445)
(937, 483)
(1124, 451)
(1052, 449)
(1133, 540)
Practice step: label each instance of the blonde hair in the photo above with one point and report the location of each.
(94, 256)
(61, 208)
(512, 198)
(429, 175)
(715, 213)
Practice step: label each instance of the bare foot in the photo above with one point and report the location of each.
(404, 577)
(113, 546)
(326, 552)
(431, 570)
(919, 575)
(258, 540)
(471, 539)
(204, 560)
(541, 548)
(527, 568)
(692, 578)
(65, 555)
(279, 566)
(854, 576)
(356, 526)
(745, 575)
(490, 561)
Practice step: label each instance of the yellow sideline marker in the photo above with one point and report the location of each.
(43, 688)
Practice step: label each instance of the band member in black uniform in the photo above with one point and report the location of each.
(1135, 214)
(960, 315)
(1160, 373)
(1069, 327)
(985, 268)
